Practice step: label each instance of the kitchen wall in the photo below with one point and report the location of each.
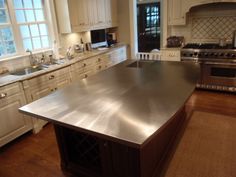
(67, 40)
(124, 22)
(208, 23)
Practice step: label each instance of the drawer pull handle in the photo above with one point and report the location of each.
(3, 95)
(51, 77)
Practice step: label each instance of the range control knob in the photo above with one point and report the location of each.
(221, 54)
(233, 55)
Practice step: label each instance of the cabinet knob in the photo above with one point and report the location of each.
(84, 64)
(51, 77)
(100, 67)
(85, 76)
(3, 95)
(105, 144)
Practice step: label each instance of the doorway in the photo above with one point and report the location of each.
(149, 26)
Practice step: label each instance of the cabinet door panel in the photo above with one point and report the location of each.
(176, 12)
(101, 12)
(12, 123)
(42, 92)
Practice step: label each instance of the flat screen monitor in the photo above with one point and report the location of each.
(98, 38)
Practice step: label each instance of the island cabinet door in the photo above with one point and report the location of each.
(89, 156)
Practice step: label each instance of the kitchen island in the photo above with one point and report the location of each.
(120, 122)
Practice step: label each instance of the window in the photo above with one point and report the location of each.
(7, 45)
(31, 21)
(27, 21)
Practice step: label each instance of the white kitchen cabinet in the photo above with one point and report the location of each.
(44, 85)
(12, 123)
(170, 54)
(85, 15)
(93, 65)
(176, 15)
(118, 55)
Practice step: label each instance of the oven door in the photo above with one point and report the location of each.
(219, 74)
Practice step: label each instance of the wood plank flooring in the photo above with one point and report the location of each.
(31, 156)
(38, 156)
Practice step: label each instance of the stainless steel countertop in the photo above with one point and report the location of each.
(124, 104)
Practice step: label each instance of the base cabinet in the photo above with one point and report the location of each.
(83, 154)
(170, 54)
(44, 85)
(93, 65)
(12, 123)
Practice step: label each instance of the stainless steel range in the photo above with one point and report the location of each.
(218, 65)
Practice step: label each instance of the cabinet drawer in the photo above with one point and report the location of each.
(47, 77)
(170, 55)
(9, 90)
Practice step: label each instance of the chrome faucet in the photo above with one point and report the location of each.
(31, 57)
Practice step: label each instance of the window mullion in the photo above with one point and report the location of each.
(15, 28)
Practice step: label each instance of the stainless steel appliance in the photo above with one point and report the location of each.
(218, 65)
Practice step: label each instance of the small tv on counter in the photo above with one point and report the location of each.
(98, 38)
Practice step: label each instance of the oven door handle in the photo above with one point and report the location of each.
(219, 63)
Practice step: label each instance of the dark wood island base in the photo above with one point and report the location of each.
(85, 155)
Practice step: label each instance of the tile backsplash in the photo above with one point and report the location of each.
(213, 28)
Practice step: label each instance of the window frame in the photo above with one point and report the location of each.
(48, 11)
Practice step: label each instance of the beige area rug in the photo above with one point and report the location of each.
(207, 148)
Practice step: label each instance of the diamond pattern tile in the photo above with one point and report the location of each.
(210, 28)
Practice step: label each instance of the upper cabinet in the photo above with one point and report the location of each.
(177, 9)
(176, 12)
(84, 15)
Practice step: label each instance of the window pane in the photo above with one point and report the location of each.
(43, 29)
(39, 15)
(37, 3)
(27, 44)
(37, 43)
(28, 3)
(20, 17)
(7, 34)
(10, 46)
(2, 52)
(3, 16)
(18, 4)
(24, 31)
(34, 30)
(45, 41)
(29, 15)
(2, 3)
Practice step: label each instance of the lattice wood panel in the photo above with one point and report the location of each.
(213, 28)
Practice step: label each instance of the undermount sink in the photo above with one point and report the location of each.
(140, 63)
(26, 71)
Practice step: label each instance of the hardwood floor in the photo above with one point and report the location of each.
(31, 156)
(38, 156)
